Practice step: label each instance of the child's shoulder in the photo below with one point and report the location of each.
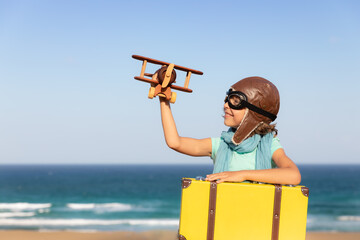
(275, 145)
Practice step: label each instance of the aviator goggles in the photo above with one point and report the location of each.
(237, 100)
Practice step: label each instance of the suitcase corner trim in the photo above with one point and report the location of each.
(185, 182)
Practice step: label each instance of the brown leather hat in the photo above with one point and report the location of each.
(262, 94)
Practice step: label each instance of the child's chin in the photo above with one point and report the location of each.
(229, 124)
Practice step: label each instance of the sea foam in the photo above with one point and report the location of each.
(16, 214)
(106, 207)
(349, 218)
(24, 206)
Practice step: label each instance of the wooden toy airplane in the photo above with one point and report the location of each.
(162, 80)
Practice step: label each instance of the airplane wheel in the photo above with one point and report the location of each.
(173, 97)
(151, 93)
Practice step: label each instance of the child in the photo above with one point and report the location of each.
(249, 150)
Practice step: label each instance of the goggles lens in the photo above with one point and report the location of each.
(234, 99)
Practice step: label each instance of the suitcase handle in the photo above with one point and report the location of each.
(200, 178)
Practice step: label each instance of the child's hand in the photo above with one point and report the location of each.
(164, 100)
(231, 176)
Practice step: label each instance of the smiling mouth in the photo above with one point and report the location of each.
(227, 114)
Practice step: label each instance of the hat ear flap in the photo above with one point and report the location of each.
(246, 127)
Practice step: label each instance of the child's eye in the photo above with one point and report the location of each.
(235, 100)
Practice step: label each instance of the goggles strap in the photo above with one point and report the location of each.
(258, 110)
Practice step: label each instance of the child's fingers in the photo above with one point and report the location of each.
(216, 176)
(210, 178)
(225, 177)
(213, 176)
(220, 181)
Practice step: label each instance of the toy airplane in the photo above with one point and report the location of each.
(162, 80)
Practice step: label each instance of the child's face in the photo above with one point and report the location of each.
(233, 117)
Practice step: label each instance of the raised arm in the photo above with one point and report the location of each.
(185, 145)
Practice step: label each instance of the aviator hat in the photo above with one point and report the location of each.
(264, 103)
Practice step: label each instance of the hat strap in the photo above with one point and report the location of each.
(258, 110)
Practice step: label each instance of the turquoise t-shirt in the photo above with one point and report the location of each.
(243, 161)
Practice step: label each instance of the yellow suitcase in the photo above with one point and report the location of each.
(242, 211)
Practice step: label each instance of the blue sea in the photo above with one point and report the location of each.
(147, 197)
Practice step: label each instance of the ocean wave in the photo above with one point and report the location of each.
(16, 214)
(87, 222)
(43, 210)
(45, 230)
(23, 206)
(349, 218)
(104, 207)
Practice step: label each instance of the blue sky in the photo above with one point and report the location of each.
(67, 93)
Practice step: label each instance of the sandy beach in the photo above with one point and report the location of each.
(150, 235)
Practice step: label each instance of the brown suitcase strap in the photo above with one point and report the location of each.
(276, 214)
(212, 207)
